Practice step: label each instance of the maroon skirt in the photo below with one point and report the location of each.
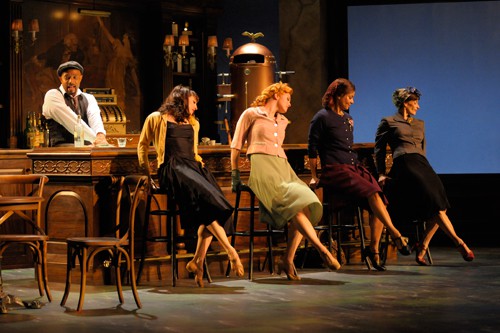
(347, 183)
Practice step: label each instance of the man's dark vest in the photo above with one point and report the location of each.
(58, 133)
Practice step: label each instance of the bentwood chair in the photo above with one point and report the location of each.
(29, 208)
(119, 248)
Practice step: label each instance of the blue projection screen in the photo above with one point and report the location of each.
(451, 53)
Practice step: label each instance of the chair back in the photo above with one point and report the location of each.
(132, 191)
(19, 193)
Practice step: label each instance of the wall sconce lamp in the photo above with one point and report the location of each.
(212, 44)
(228, 46)
(34, 28)
(167, 48)
(17, 29)
(183, 42)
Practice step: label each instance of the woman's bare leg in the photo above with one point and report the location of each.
(380, 211)
(442, 220)
(294, 239)
(196, 264)
(376, 230)
(304, 226)
(218, 231)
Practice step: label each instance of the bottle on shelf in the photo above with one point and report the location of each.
(179, 63)
(46, 136)
(40, 131)
(185, 63)
(29, 131)
(192, 61)
(36, 132)
(78, 133)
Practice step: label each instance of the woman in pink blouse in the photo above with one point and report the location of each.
(283, 197)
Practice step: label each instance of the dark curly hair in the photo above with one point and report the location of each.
(402, 95)
(176, 104)
(337, 88)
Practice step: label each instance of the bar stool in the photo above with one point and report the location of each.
(332, 217)
(252, 232)
(420, 228)
(169, 236)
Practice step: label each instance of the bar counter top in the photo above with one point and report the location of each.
(100, 161)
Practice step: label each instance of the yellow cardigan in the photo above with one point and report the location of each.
(155, 130)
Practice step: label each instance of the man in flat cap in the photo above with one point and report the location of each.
(62, 106)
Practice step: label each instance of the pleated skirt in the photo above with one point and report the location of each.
(281, 193)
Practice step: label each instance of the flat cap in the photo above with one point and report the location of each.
(69, 65)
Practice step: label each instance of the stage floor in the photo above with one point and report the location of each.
(450, 296)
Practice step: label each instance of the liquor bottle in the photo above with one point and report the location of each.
(46, 136)
(192, 61)
(40, 131)
(36, 132)
(29, 132)
(78, 133)
(185, 63)
(179, 63)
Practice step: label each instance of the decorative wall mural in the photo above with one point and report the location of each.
(105, 46)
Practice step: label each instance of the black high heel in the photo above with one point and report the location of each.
(404, 249)
(370, 256)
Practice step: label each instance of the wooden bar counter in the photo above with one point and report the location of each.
(80, 194)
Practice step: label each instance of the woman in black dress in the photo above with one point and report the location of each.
(173, 129)
(415, 191)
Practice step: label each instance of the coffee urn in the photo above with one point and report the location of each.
(252, 68)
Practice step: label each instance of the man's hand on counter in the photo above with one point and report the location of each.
(100, 140)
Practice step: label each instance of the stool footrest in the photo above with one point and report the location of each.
(247, 209)
(164, 213)
(257, 232)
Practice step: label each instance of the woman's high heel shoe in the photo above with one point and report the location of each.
(371, 261)
(191, 267)
(237, 267)
(329, 261)
(420, 252)
(403, 248)
(467, 255)
(291, 272)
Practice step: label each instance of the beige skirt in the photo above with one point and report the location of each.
(281, 193)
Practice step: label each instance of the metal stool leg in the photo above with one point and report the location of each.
(421, 225)
(251, 233)
(235, 225)
(144, 240)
